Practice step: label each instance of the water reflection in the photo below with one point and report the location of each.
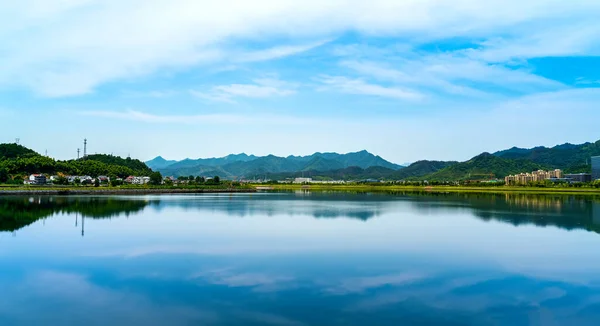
(301, 259)
(566, 212)
(18, 212)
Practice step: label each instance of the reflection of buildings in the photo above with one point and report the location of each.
(534, 202)
(596, 213)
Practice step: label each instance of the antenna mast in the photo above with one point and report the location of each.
(85, 148)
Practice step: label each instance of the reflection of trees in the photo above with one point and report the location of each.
(567, 212)
(18, 212)
(316, 204)
(564, 211)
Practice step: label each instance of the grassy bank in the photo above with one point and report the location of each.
(125, 190)
(462, 189)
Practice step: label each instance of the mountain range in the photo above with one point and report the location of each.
(364, 165)
(250, 166)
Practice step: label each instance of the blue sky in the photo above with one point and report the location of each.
(407, 80)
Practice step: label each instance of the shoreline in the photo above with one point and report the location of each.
(16, 191)
(440, 189)
(156, 191)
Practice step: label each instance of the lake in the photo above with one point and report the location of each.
(300, 258)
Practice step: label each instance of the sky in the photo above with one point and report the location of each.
(403, 79)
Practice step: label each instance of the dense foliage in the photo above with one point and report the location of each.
(20, 161)
(11, 151)
(133, 164)
(420, 169)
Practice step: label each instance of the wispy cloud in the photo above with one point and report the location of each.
(140, 116)
(261, 88)
(277, 52)
(358, 86)
(151, 93)
(451, 73)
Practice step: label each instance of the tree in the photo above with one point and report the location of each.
(191, 178)
(61, 180)
(3, 175)
(217, 180)
(115, 182)
(156, 178)
(199, 180)
(97, 182)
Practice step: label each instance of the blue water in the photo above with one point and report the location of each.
(300, 259)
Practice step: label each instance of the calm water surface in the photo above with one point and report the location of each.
(300, 259)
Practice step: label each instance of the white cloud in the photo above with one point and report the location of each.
(576, 39)
(358, 86)
(262, 88)
(69, 47)
(277, 52)
(139, 116)
(452, 74)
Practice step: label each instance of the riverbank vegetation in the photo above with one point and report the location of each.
(423, 187)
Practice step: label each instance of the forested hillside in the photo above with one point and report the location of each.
(17, 161)
(568, 157)
(484, 166)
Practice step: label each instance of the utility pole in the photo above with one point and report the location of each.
(17, 140)
(78, 153)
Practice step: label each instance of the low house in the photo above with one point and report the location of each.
(36, 179)
(579, 177)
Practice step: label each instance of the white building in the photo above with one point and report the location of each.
(137, 180)
(303, 180)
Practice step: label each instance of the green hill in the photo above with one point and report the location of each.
(18, 161)
(133, 164)
(349, 173)
(12, 151)
(568, 157)
(482, 167)
(420, 169)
